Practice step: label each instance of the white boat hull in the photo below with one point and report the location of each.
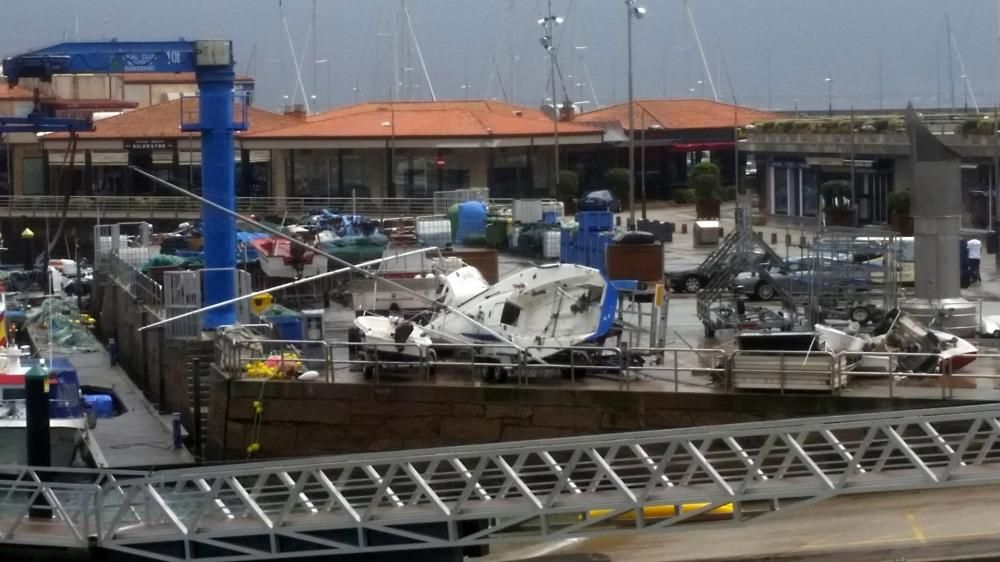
(542, 310)
(379, 334)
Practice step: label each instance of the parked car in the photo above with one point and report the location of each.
(694, 279)
(798, 275)
(687, 280)
(601, 200)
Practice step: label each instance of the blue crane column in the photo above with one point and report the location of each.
(212, 63)
(215, 88)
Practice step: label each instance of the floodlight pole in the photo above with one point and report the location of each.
(631, 123)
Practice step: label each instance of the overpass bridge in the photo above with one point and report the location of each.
(455, 498)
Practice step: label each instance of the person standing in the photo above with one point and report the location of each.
(975, 248)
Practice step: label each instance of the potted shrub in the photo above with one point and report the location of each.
(837, 205)
(683, 196)
(707, 184)
(899, 212)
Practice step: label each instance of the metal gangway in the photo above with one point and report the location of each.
(459, 497)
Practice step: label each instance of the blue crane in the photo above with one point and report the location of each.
(212, 63)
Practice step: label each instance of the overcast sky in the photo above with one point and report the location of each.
(776, 51)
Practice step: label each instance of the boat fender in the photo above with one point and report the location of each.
(309, 376)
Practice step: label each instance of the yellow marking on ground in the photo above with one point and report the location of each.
(915, 527)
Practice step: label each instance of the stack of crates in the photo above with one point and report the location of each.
(588, 243)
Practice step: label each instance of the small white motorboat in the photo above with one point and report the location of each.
(391, 339)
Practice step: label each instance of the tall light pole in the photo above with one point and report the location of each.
(549, 44)
(829, 94)
(631, 12)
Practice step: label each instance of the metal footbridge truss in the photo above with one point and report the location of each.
(523, 492)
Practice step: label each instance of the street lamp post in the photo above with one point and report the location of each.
(829, 94)
(548, 43)
(636, 12)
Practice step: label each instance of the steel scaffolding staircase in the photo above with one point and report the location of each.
(735, 255)
(528, 491)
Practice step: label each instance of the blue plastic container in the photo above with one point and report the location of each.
(595, 220)
(102, 405)
(471, 221)
(288, 327)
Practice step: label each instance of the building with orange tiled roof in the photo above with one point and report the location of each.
(151, 137)
(25, 166)
(415, 148)
(403, 148)
(674, 134)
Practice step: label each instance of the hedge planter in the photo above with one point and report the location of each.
(903, 224)
(708, 209)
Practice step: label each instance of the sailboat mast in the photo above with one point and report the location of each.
(951, 60)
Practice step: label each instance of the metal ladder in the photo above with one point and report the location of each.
(734, 256)
(460, 497)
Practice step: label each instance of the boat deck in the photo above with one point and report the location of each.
(139, 437)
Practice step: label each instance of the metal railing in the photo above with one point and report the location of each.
(505, 492)
(140, 285)
(871, 374)
(146, 207)
(492, 362)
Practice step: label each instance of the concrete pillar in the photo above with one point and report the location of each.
(279, 177)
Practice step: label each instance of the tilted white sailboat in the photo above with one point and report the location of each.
(543, 310)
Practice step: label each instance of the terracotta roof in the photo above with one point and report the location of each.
(677, 114)
(15, 93)
(427, 120)
(163, 121)
(167, 78)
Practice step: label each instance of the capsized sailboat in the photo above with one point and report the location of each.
(921, 349)
(544, 310)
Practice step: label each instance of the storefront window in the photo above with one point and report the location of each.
(810, 193)
(509, 176)
(315, 173)
(417, 173)
(780, 190)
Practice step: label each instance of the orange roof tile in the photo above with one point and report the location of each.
(677, 114)
(15, 93)
(163, 121)
(427, 119)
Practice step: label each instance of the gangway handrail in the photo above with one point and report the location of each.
(455, 497)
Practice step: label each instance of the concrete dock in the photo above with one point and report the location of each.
(140, 437)
(948, 524)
